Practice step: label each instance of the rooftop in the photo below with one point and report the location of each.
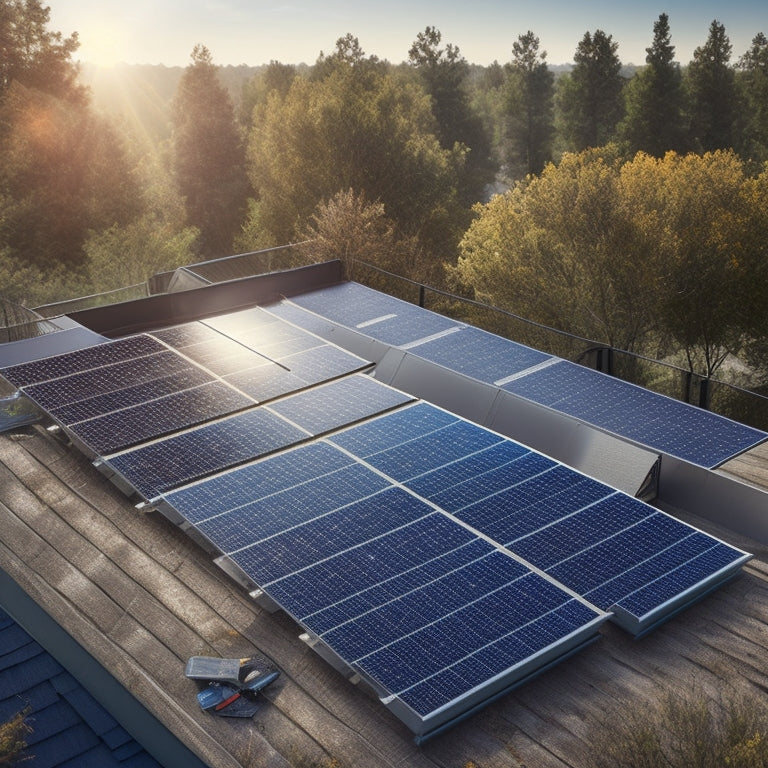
(142, 597)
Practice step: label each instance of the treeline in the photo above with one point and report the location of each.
(394, 164)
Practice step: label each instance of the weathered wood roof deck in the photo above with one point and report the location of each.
(142, 598)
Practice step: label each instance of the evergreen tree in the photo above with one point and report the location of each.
(591, 96)
(753, 81)
(530, 100)
(444, 73)
(654, 121)
(711, 84)
(208, 156)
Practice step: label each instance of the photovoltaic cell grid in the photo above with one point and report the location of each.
(603, 544)
(423, 606)
(382, 317)
(259, 354)
(124, 392)
(626, 410)
(693, 434)
(182, 458)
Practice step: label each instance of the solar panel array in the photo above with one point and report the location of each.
(158, 466)
(124, 393)
(436, 558)
(620, 408)
(441, 562)
(422, 606)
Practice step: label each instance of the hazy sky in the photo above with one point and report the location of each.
(295, 31)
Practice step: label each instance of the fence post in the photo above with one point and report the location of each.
(704, 393)
(421, 295)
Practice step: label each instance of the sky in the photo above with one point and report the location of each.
(256, 32)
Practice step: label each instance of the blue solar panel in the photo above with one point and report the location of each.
(176, 460)
(339, 403)
(266, 382)
(457, 473)
(480, 354)
(667, 425)
(434, 665)
(436, 449)
(393, 429)
(451, 683)
(89, 407)
(354, 586)
(280, 512)
(529, 478)
(77, 387)
(262, 479)
(512, 514)
(323, 363)
(130, 426)
(653, 420)
(85, 359)
(377, 315)
(378, 571)
(319, 539)
(677, 580)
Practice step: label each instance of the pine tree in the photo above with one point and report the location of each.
(711, 83)
(208, 156)
(654, 121)
(590, 97)
(530, 103)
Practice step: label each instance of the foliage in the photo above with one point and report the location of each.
(530, 100)
(350, 228)
(443, 71)
(590, 97)
(34, 56)
(355, 128)
(65, 172)
(208, 156)
(626, 252)
(13, 733)
(685, 729)
(711, 83)
(654, 119)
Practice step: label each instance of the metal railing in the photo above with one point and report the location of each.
(741, 404)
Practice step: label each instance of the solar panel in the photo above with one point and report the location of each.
(339, 403)
(378, 315)
(671, 426)
(54, 367)
(480, 354)
(370, 568)
(181, 458)
(581, 532)
(237, 488)
(160, 416)
(620, 408)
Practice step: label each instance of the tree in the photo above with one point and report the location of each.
(591, 95)
(350, 228)
(64, 172)
(559, 249)
(34, 56)
(654, 121)
(753, 81)
(443, 72)
(530, 100)
(208, 156)
(711, 83)
(358, 128)
(669, 250)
